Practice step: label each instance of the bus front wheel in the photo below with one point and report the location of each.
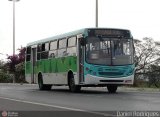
(72, 86)
(112, 88)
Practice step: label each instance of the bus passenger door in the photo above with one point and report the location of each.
(33, 62)
(81, 60)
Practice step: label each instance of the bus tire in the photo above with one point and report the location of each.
(41, 85)
(112, 88)
(72, 86)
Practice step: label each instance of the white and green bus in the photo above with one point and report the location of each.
(82, 58)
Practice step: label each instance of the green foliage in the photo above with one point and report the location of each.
(13, 68)
(20, 72)
(154, 75)
(4, 76)
(20, 68)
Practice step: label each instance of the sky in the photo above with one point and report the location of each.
(39, 19)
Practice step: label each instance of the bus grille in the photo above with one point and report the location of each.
(110, 73)
(111, 80)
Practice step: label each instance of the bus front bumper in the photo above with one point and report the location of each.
(90, 79)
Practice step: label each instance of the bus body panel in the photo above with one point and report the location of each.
(55, 78)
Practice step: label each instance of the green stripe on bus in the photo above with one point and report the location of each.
(55, 65)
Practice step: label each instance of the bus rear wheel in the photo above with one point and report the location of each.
(112, 88)
(72, 86)
(41, 85)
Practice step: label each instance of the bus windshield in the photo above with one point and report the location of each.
(109, 51)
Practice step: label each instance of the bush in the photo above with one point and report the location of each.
(20, 72)
(5, 78)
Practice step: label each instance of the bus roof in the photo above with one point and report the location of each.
(81, 31)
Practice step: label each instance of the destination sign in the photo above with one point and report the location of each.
(109, 32)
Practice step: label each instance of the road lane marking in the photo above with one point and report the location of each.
(55, 106)
(42, 104)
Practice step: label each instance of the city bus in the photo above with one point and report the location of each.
(90, 57)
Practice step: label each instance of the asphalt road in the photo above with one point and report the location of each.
(90, 102)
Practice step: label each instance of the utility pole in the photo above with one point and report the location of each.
(14, 30)
(96, 13)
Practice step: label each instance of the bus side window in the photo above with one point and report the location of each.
(39, 51)
(72, 41)
(38, 56)
(53, 45)
(52, 55)
(53, 49)
(45, 49)
(39, 48)
(62, 47)
(28, 54)
(71, 48)
(28, 50)
(62, 43)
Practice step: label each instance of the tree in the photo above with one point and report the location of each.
(154, 75)
(21, 54)
(12, 61)
(16, 64)
(147, 54)
(4, 76)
